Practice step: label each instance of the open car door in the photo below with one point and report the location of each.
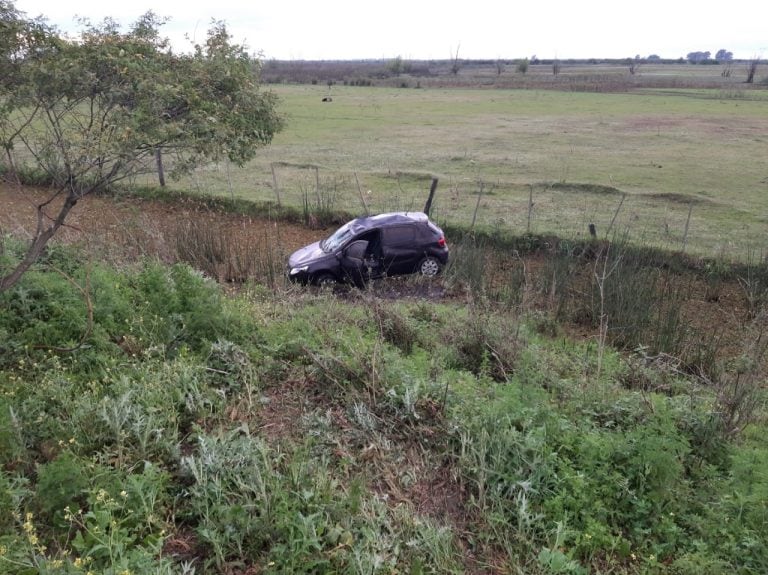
(353, 263)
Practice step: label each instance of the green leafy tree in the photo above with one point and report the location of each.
(724, 55)
(698, 57)
(396, 66)
(18, 38)
(91, 113)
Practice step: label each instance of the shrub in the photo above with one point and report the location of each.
(394, 327)
(119, 533)
(44, 310)
(61, 484)
(623, 483)
(483, 344)
(229, 367)
(12, 491)
(180, 307)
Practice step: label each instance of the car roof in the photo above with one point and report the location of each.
(389, 219)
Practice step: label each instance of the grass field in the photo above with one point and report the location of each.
(576, 154)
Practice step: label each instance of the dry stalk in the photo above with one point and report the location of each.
(601, 278)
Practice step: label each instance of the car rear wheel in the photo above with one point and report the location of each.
(429, 267)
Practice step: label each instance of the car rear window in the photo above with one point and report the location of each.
(399, 235)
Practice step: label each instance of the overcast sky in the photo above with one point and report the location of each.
(436, 29)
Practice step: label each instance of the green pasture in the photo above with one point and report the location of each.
(667, 152)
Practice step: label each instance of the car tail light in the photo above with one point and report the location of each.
(441, 242)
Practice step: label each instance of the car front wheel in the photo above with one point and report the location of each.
(429, 267)
(325, 280)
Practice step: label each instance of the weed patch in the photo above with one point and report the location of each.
(303, 432)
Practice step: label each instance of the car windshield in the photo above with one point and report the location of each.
(335, 241)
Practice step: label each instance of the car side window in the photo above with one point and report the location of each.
(399, 236)
(356, 250)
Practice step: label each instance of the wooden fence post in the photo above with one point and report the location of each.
(432, 189)
(530, 209)
(362, 197)
(160, 169)
(477, 206)
(274, 183)
(687, 223)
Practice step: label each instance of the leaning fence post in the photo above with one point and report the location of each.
(615, 214)
(432, 189)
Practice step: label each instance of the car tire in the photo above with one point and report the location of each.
(324, 280)
(429, 267)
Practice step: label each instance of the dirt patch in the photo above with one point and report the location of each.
(282, 409)
(683, 199)
(129, 227)
(124, 228)
(182, 545)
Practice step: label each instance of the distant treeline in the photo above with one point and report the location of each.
(591, 74)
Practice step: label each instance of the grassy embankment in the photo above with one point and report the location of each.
(149, 423)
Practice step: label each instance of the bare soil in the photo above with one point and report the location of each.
(124, 228)
(134, 226)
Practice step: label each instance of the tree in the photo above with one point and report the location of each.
(455, 62)
(752, 69)
(697, 57)
(18, 38)
(723, 55)
(92, 113)
(396, 66)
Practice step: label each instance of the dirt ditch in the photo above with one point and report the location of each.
(124, 228)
